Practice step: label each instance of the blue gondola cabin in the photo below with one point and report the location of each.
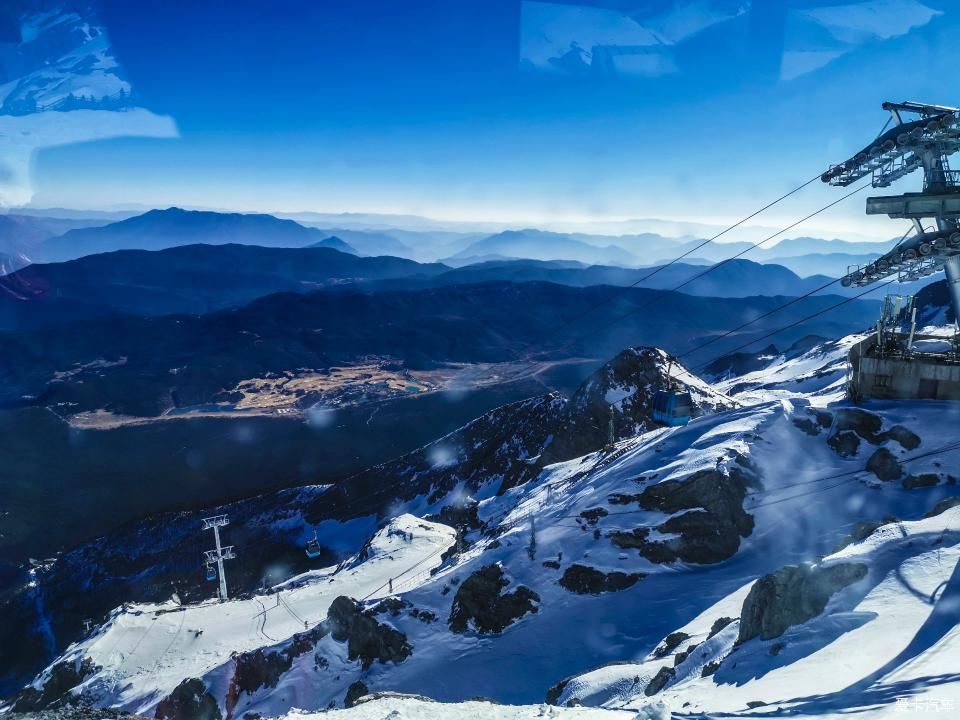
(672, 407)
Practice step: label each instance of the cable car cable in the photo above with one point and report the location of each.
(663, 293)
(771, 312)
(689, 252)
(802, 320)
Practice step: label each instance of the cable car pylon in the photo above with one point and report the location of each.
(885, 365)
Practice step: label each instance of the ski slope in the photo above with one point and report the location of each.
(145, 651)
(775, 461)
(412, 708)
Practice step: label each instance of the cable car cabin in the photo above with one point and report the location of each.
(211, 573)
(672, 407)
(313, 547)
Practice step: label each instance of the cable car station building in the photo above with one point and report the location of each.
(895, 362)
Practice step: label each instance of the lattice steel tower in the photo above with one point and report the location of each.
(886, 365)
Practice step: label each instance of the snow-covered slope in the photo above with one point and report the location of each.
(819, 374)
(145, 651)
(881, 647)
(398, 707)
(591, 580)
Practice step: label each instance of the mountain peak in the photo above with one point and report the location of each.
(160, 229)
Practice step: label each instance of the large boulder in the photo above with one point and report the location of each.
(585, 580)
(356, 691)
(884, 465)
(190, 700)
(710, 529)
(262, 668)
(367, 639)
(791, 596)
(481, 603)
(660, 680)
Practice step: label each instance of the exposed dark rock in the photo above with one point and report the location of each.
(709, 669)
(63, 677)
(461, 514)
(776, 648)
(943, 506)
(552, 564)
(907, 439)
(587, 417)
(669, 644)
(792, 595)
(392, 605)
(586, 580)
(755, 704)
(190, 700)
(863, 530)
(884, 465)
(660, 680)
(555, 691)
(863, 423)
(923, 480)
(718, 625)
(824, 418)
(366, 638)
(424, 616)
(261, 668)
(658, 552)
(593, 515)
(370, 697)
(75, 711)
(708, 535)
(807, 425)
(681, 656)
(480, 602)
(623, 498)
(356, 691)
(845, 444)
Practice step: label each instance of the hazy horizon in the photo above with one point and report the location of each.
(510, 112)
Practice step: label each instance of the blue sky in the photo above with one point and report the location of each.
(504, 110)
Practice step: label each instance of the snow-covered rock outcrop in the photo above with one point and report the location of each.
(616, 578)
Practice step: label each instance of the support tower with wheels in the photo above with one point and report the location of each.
(889, 364)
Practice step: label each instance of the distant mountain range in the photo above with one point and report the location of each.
(64, 235)
(190, 279)
(806, 256)
(145, 366)
(197, 279)
(541, 245)
(22, 235)
(160, 229)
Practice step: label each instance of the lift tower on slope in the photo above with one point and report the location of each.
(221, 553)
(922, 137)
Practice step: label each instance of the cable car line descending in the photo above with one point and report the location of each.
(383, 490)
(313, 548)
(707, 271)
(677, 259)
(802, 320)
(666, 408)
(850, 474)
(767, 314)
